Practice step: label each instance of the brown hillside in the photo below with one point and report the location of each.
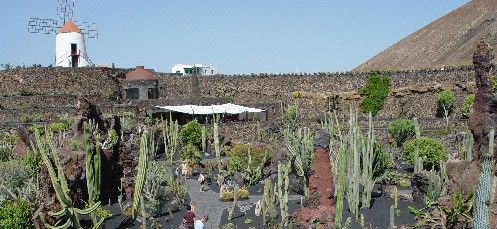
(448, 41)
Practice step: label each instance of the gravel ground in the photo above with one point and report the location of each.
(208, 202)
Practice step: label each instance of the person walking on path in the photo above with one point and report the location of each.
(201, 180)
(189, 218)
(200, 223)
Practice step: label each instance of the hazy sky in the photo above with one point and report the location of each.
(236, 36)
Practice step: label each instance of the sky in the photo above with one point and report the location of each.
(237, 37)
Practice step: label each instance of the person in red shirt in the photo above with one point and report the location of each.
(189, 218)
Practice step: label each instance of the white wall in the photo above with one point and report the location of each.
(63, 43)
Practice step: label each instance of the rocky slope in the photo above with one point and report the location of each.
(448, 41)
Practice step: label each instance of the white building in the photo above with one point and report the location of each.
(198, 69)
(70, 49)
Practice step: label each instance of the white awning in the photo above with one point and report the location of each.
(227, 108)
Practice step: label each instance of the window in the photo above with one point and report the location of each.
(132, 93)
(153, 93)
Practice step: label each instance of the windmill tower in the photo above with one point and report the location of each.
(70, 48)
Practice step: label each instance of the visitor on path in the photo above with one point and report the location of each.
(189, 218)
(201, 179)
(200, 224)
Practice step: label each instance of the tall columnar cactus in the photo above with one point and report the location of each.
(353, 165)
(367, 165)
(483, 191)
(340, 185)
(300, 145)
(142, 169)
(204, 139)
(392, 217)
(217, 147)
(231, 209)
(93, 164)
(268, 203)
(283, 182)
(170, 131)
(418, 167)
(50, 156)
(468, 143)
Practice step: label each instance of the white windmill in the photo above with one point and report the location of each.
(70, 48)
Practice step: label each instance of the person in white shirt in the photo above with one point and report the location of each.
(199, 224)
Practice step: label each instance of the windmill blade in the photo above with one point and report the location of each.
(88, 29)
(42, 25)
(65, 10)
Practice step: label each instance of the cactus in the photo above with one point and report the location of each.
(418, 164)
(204, 139)
(362, 221)
(392, 217)
(367, 164)
(250, 174)
(353, 165)
(231, 209)
(268, 203)
(142, 169)
(483, 192)
(217, 148)
(300, 146)
(50, 156)
(468, 143)
(395, 197)
(93, 164)
(144, 213)
(340, 186)
(283, 182)
(170, 136)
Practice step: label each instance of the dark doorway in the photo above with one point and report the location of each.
(74, 55)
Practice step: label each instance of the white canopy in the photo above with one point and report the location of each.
(212, 109)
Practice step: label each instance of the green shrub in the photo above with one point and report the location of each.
(32, 118)
(381, 161)
(75, 145)
(239, 159)
(375, 92)
(445, 101)
(291, 114)
(296, 95)
(32, 160)
(469, 100)
(5, 153)
(191, 133)
(37, 127)
(401, 130)
(190, 154)
(58, 127)
(431, 150)
(14, 173)
(16, 214)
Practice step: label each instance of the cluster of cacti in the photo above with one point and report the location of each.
(142, 170)
(483, 192)
(436, 183)
(253, 173)
(267, 205)
(170, 131)
(352, 165)
(367, 164)
(111, 139)
(217, 147)
(283, 182)
(50, 156)
(93, 163)
(300, 146)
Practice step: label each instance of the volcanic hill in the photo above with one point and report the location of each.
(448, 41)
